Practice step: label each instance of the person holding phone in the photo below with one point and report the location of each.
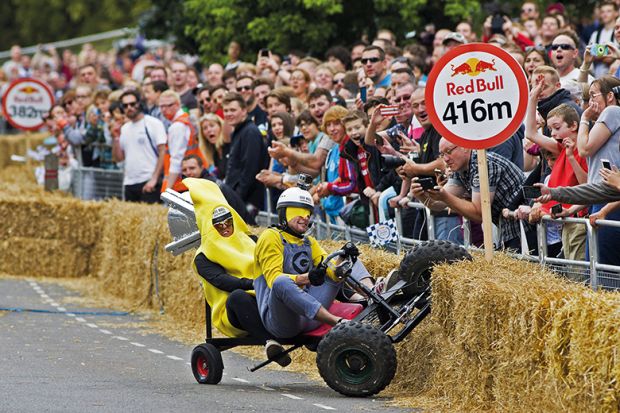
(598, 141)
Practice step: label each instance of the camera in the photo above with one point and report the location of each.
(599, 50)
(304, 181)
(392, 162)
(427, 182)
(556, 209)
(264, 52)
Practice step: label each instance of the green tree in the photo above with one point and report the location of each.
(281, 25)
(28, 22)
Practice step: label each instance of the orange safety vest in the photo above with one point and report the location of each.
(192, 149)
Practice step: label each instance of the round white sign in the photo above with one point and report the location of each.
(476, 95)
(25, 102)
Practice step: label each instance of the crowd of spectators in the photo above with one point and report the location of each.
(356, 121)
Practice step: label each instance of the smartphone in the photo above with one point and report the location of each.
(264, 52)
(606, 164)
(389, 110)
(378, 139)
(531, 192)
(363, 94)
(556, 209)
(427, 182)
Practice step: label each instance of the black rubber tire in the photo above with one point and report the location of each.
(416, 267)
(207, 364)
(356, 359)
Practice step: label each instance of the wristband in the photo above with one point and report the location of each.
(585, 122)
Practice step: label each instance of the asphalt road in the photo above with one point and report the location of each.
(60, 360)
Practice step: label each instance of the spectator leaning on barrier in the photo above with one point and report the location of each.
(602, 142)
(462, 192)
(182, 140)
(569, 169)
(142, 145)
(248, 154)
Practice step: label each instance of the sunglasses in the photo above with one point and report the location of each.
(220, 226)
(563, 46)
(207, 100)
(336, 81)
(403, 99)
(129, 105)
(537, 48)
(167, 106)
(242, 88)
(370, 59)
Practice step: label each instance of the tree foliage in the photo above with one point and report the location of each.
(28, 22)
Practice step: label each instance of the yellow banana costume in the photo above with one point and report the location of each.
(234, 253)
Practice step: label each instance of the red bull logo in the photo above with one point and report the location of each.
(28, 90)
(473, 67)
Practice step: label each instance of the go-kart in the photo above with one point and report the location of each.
(356, 358)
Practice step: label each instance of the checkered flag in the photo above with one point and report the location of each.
(382, 233)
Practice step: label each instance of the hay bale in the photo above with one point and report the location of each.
(17, 145)
(501, 336)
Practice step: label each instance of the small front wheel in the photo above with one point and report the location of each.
(207, 364)
(356, 359)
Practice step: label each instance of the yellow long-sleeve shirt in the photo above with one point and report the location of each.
(269, 255)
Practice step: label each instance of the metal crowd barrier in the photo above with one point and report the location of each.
(597, 275)
(96, 183)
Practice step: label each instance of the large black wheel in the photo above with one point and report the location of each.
(416, 268)
(356, 359)
(207, 364)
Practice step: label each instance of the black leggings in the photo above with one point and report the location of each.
(243, 314)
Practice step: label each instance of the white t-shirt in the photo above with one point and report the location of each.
(140, 151)
(573, 75)
(178, 138)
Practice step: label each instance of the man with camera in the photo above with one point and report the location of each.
(461, 193)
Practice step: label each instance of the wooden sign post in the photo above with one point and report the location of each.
(476, 98)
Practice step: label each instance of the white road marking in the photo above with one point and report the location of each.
(322, 406)
(266, 388)
(71, 315)
(54, 304)
(174, 358)
(80, 319)
(133, 343)
(62, 309)
(292, 396)
(153, 350)
(189, 364)
(121, 338)
(45, 295)
(91, 325)
(105, 331)
(240, 380)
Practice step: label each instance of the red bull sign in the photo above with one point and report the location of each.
(476, 95)
(25, 102)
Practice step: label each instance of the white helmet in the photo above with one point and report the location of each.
(293, 197)
(220, 214)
